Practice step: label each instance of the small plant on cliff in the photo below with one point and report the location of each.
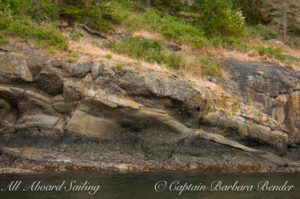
(109, 56)
(3, 41)
(149, 50)
(174, 61)
(76, 34)
(272, 52)
(210, 67)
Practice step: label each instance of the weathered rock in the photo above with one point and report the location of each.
(9, 47)
(8, 117)
(107, 85)
(249, 130)
(111, 100)
(95, 70)
(94, 114)
(120, 35)
(56, 63)
(50, 80)
(62, 106)
(73, 90)
(14, 69)
(76, 70)
(270, 88)
(85, 124)
(39, 121)
(173, 47)
(35, 63)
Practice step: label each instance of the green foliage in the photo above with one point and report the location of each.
(120, 65)
(38, 10)
(75, 34)
(218, 18)
(210, 67)
(255, 11)
(3, 41)
(174, 61)
(149, 50)
(24, 27)
(263, 31)
(171, 5)
(71, 59)
(94, 13)
(182, 32)
(272, 52)
(170, 27)
(215, 19)
(109, 56)
(233, 42)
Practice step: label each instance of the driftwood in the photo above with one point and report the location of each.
(93, 32)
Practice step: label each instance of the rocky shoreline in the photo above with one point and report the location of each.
(60, 116)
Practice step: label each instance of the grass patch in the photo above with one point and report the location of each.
(120, 65)
(210, 67)
(262, 31)
(109, 56)
(71, 59)
(75, 34)
(3, 41)
(43, 35)
(272, 52)
(150, 50)
(171, 27)
(174, 61)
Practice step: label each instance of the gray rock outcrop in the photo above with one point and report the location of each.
(89, 115)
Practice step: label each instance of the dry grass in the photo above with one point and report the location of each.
(148, 35)
(90, 51)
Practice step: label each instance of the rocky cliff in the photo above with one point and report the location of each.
(56, 115)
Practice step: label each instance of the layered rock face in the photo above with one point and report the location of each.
(57, 116)
(270, 90)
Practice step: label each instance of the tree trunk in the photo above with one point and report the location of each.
(285, 19)
(148, 2)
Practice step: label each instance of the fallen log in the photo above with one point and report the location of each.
(93, 32)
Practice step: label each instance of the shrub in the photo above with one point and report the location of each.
(210, 67)
(120, 65)
(174, 61)
(233, 42)
(265, 32)
(39, 10)
(217, 17)
(47, 34)
(255, 11)
(76, 34)
(181, 32)
(149, 50)
(94, 13)
(272, 52)
(170, 27)
(3, 41)
(108, 56)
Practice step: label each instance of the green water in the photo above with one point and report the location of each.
(142, 185)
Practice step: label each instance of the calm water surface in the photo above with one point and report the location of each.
(142, 185)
